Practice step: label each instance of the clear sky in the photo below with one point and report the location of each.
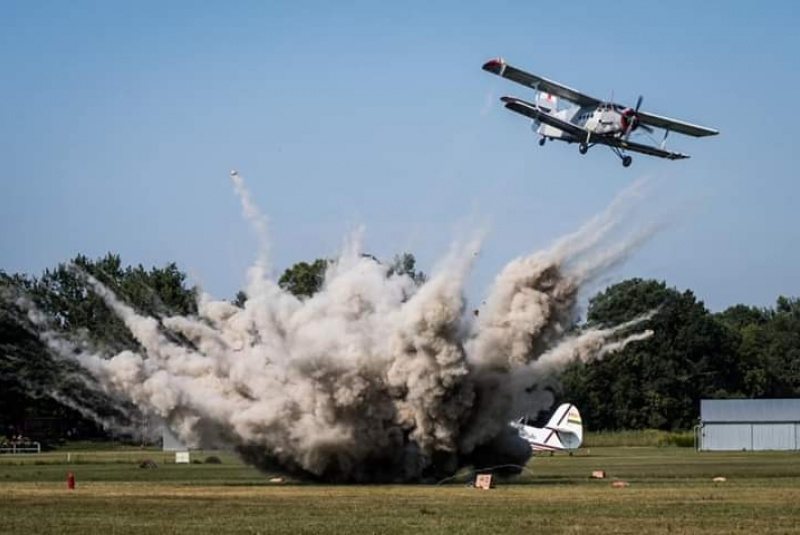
(119, 123)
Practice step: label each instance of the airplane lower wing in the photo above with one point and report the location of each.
(640, 147)
(530, 110)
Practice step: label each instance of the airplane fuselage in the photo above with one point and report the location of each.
(597, 120)
(546, 438)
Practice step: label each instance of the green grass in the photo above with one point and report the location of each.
(647, 437)
(670, 492)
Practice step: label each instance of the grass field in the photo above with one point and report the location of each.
(670, 492)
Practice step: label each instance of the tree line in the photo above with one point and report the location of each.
(741, 352)
(47, 397)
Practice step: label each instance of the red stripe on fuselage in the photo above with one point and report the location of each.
(541, 447)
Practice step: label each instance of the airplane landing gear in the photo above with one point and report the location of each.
(582, 148)
(541, 141)
(626, 160)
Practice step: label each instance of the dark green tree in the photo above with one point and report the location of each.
(656, 383)
(304, 279)
(33, 381)
(405, 264)
(769, 347)
(240, 299)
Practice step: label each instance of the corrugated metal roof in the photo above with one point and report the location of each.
(750, 410)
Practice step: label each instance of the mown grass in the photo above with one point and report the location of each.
(670, 492)
(164, 509)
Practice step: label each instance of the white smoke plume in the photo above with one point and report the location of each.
(377, 377)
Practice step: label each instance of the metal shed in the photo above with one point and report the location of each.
(749, 424)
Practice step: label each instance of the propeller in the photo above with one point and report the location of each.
(630, 119)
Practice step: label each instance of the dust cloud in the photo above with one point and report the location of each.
(377, 377)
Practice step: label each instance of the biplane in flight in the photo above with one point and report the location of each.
(589, 121)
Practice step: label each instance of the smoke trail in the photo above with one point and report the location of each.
(376, 377)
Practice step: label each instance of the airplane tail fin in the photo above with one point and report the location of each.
(546, 101)
(566, 421)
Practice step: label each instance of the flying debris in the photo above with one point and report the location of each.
(589, 121)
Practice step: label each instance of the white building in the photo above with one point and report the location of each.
(749, 424)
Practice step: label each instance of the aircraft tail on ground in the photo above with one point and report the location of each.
(567, 423)
(564, 431)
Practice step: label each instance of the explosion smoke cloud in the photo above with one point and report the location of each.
(376, 377)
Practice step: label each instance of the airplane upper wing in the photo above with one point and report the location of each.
(501, 68)
(530, 110)
(673, 125)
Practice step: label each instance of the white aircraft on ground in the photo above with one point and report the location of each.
(564, 431)
(589, 121)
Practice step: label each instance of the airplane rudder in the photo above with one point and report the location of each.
(559, 416)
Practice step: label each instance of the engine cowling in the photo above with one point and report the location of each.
(629, 120)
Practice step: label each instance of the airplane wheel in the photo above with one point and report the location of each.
(582, 148)
(541, 142)
(626, 161)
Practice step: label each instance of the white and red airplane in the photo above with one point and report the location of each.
(589, 121)
(564, 431)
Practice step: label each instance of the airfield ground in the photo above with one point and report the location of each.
(671, 491)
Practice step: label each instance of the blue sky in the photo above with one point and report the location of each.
(119, 123)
